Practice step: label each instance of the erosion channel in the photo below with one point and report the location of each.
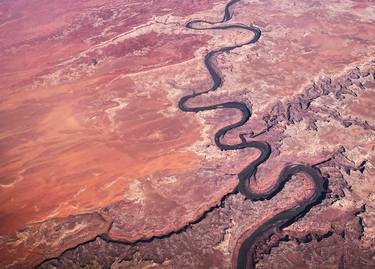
(246, 253)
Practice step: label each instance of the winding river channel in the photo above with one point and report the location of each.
(246, 253)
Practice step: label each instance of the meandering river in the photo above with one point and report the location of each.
(246, 253)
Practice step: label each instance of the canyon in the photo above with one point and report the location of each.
(101, 169)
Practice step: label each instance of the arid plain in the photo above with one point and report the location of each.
(100, 169)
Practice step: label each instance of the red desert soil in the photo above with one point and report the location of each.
(92, 141)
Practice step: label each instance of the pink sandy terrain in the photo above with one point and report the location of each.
(93, 144)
